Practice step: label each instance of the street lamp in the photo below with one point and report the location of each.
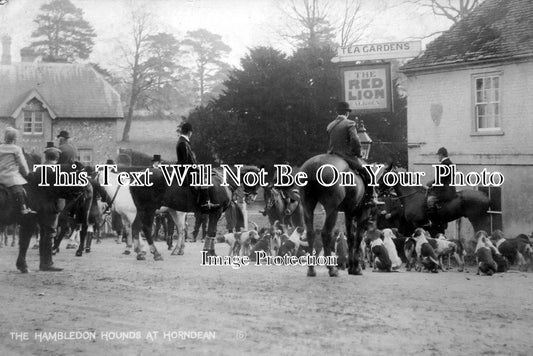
(366, 141)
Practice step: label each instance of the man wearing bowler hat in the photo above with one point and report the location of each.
(69, 153)
(438, 195)
(51, 153)
(156, 161)
(344, 142)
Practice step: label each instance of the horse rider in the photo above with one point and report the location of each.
(186, 155)
(343, 142)
(69, 153)
(438, 195)
(13, 162)
(156, 161)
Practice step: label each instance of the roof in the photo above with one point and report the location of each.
(68, 90)
(497, 30)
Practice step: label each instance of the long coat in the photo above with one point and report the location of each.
(343, 137)
(446, 192)
(12, 163)
(185, 155)
(69, 154)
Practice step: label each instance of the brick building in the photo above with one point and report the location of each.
(40, 99)
(471, 91)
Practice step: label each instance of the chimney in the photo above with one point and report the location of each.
(6, 50)
(27, 55)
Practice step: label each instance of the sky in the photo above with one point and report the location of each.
(243, 24)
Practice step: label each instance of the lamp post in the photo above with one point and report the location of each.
(364, 139)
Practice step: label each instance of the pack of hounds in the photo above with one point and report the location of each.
(386, 251)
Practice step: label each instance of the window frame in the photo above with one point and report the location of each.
(33, 122)
(476, 130)
(493, 213)
(86, 149)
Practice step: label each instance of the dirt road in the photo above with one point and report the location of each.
(254, 310)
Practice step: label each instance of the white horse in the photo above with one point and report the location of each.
(119, 199)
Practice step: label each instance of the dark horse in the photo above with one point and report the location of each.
(39, 199)
(334, 198)
(181, 200)
(471, 204)
(277, 210)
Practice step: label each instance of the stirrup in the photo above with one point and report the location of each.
(27, 211)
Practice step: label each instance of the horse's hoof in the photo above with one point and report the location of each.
(158, 257)
(169, 248)
(22, 268)
(181, 252)
(460, 270)
(126, 252)
(141, 257)
(87, 250)
(79, 253)
(311, 273)
(55, 251)
(13, 244)
(333, 272)
(174, 253)
(355, 271)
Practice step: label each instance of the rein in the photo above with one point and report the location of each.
(114, 195)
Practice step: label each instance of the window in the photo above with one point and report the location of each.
(33, 122)
(487, 97)
(85, 156)
(495, 210)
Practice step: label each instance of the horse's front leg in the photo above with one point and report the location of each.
(83, 234)
(179, 222)
(147, 220)
(329, 224)
(354, 246)
(209, 244)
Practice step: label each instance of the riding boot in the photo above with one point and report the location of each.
(20, 201)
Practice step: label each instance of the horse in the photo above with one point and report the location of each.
(40, 199)
(472, 204)
(335, 198)
(119, 199)
(277, 210)
(183, 199)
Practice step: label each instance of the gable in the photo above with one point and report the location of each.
(67, 90)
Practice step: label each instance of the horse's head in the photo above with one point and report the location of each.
(250, 191)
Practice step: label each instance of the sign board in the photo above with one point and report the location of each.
(367, 88)
(387, 50)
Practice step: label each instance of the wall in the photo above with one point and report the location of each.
(511, 153)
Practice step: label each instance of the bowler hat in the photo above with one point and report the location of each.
(343, 107)
(63, 134)
(156, 158)
(109, 161)
(442, 151)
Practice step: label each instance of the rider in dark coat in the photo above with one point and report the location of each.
(439, 195)
(344, 142)
(186, 155)
(69, 153)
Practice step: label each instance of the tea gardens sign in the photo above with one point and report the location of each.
(390, 50)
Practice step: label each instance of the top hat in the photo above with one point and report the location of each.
(156, 158)
(63, 134)
(343, 106)
(443, 151)
(109, 161)
(50, 146)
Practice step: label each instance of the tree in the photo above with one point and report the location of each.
(151, 65)
(454, 10)
(207, 50)
(62, 33)
(311, 22)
